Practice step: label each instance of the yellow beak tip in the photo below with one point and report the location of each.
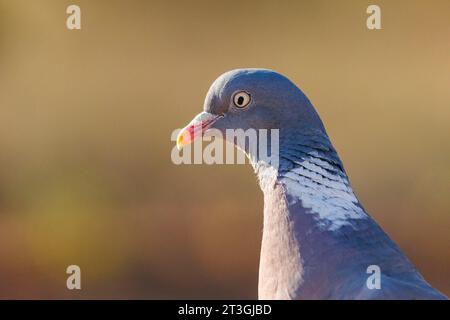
(180, 142)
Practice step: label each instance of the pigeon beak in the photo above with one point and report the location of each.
(196, 128)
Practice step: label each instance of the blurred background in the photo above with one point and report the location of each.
(86, 116)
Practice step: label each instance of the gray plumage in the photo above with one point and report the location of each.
(318, 240)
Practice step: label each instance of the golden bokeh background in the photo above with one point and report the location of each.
(86, 117)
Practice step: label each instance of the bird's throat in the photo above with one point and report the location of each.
(281, 270)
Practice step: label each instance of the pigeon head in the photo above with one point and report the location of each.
(252, 99)
(309, 206)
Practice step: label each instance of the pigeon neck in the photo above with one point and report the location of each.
(309, 208)
(312, 177)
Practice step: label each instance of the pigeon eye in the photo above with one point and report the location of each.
(241, 99)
